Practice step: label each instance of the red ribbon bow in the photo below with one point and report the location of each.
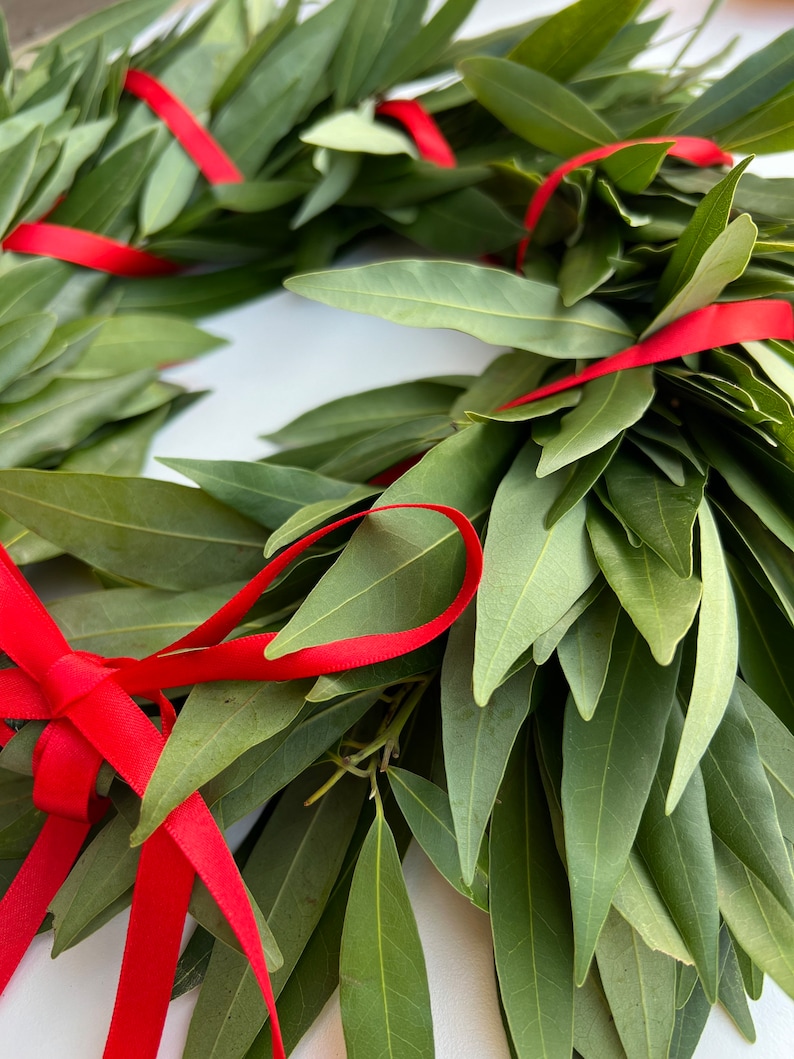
(92, 718)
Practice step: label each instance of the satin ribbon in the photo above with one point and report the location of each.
(422, 128)
(715, 325)
(196, 141)
(693, 149)
(92, 718)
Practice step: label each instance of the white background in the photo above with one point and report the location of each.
(287, 355)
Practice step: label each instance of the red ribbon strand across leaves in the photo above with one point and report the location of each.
(429, 139)
(86, 700)
(715, 325)
(693, 149)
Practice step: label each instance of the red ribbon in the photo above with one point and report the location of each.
(429, 139)
(213, 162)
(87, 249)
(693, 149)
(715, 325)
(92, 718)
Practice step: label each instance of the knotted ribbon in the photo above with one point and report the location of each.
(693, 149)
(86, 700)
(103, 254)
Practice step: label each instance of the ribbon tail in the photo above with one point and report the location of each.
(25, 903)
(159, 907)
(193, 828)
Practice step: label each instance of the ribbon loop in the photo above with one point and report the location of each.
(70, 678)
(65, 769)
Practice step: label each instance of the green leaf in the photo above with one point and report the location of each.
(162, 534)
(426, 810)
(584, 474)
(489, 303)
(661, 604)
(21, 342)
(290, 873)
(64, 413)
(98, 200)
(570, 39)
(134, 622)
(311, 516)
(776, 747)
(766, 130)
(638, 900)
(724, 261)
(585, 650)
(532, 575)
(766, 644)
(142, 341)
(121, 451)
(118, 25)
(266, 493)
(588, 263)
(755, 80)
(632, 168)
(167, 189)
(217, 724)
(355, 130)
(678, 851)
(660, 513)
(276, 93)
(608, 406)
(465, 223)
(594, 1033)
(20, 820)
(192, 967)
(29, 287)
(366, 412)
(265, 769)
(608, 767)
(716, 660)
(530, 914)
(342, 169)
(104, 872)
(759, 923)
(429, 42)
(709, 221)
(547, 643)
(690, 1021)
(741, 805)
(732, 995)
(640, 987)
(16, 167)
(371, 41)
(401, 568)
(477, 741)
(383, 982)
(535, 106)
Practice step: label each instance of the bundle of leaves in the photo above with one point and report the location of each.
(291, 100)
(601, 753)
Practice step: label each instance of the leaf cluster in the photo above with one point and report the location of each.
(601, 752)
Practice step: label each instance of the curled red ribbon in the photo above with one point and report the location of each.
(715, 325)
(693, 149)
(92, 718)
(421, 126)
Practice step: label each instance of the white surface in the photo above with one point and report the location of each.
(288, 355)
